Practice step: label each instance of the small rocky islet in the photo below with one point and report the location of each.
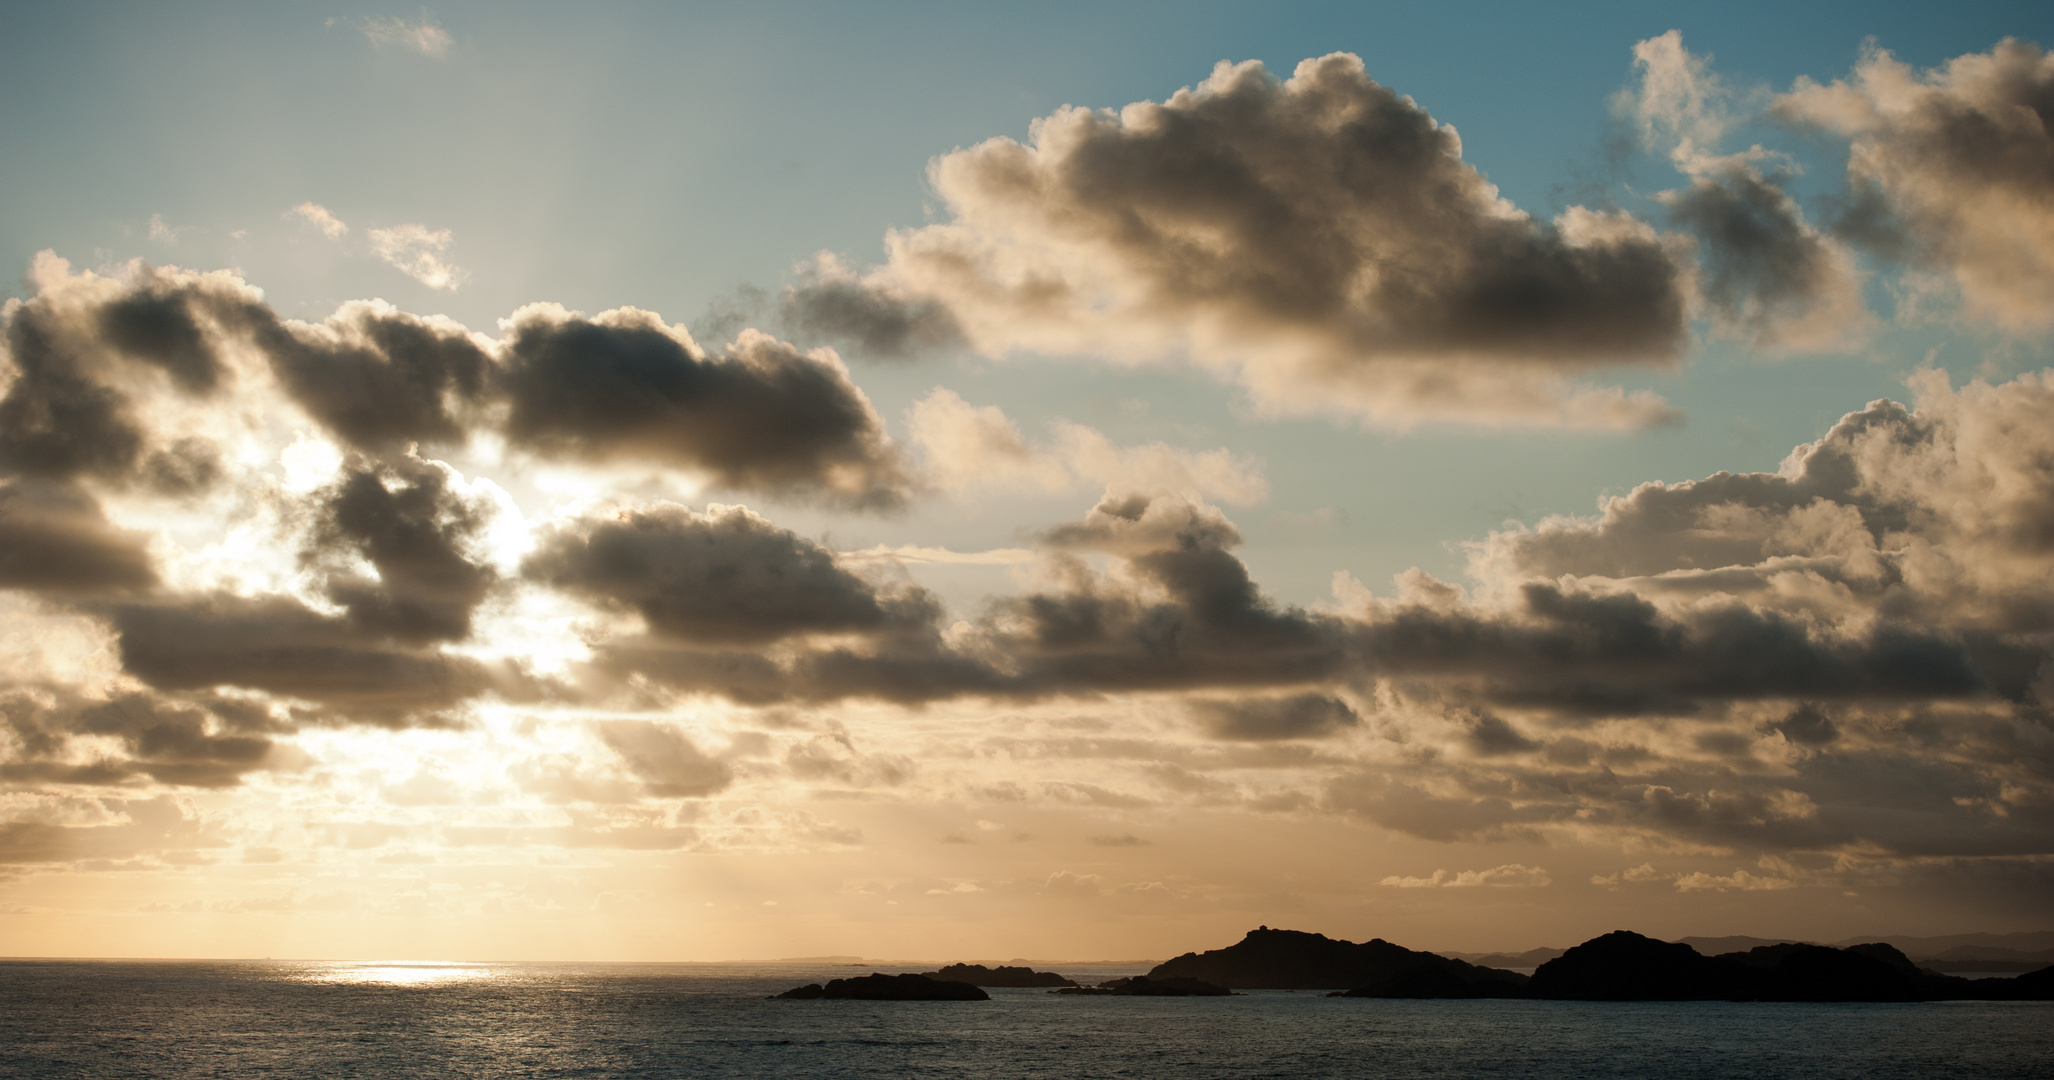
(1619, 966)
(881, 987)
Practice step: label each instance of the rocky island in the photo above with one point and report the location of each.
(1145, 986)
(1619, 966)
(1625, 966)
(879, 987)
(1269, 959)
(979, 975)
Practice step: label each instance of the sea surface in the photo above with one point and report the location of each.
(101, 1019)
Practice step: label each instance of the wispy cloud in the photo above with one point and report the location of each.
(1510, 875)
(416, 251)
(318, 216)
(163, 231)
(422, 35)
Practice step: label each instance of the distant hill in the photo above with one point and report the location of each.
(1528, 959)
(1969, 946)
(1268, 959)
(1713, 946)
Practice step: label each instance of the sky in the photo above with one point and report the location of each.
(690, 482)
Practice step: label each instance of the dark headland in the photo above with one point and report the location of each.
(1619, 966)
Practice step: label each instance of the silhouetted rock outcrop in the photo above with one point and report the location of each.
(2032, 986)
(1872, 972)
(979, 975)
(1294, 960)
(876, 987)
(1148, 986)
(1624, 966)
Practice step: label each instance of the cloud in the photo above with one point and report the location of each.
(56, 539)
(1739, 880)
(1510, 875)
(834, 757)
(234, 526)
(416, 251)
(619, 387)
(667, 762)
(163, 232)
(81, 352)
(623, 385)
(278, 645)
(977, 448)
(318, 216)
(1318, 238)
(413, 527)
(1679, 101)
(866, 315)
(380, 377)
(1949, 167)
(209, 743)
(1768, 276)
(725, 577)
(1300, 716)
(421, 35)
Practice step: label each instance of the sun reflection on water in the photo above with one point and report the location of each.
(386, 973)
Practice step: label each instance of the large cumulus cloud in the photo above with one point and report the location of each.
(1953, 167)
(220, 604)
(1319, 236)
(105, 376)
(1852, 653)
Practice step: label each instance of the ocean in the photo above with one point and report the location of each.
(104, 1019)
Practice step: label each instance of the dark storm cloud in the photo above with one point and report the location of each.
(157, 324)
(621, 387)
(57, 421)
(1767, 275)
(764, 416)
(732, 604)
(1576, 654)
(1956, 166)
(278, 645)
(1491, 736)
(1321, 234)
(1300, 716)
(83, 349)
(412, 527)
(1190, 616)
(724, 577)
(377, 377)
(1807, 725)
(183, 742)
(56, 539)
(869, 319)
(708, 586)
